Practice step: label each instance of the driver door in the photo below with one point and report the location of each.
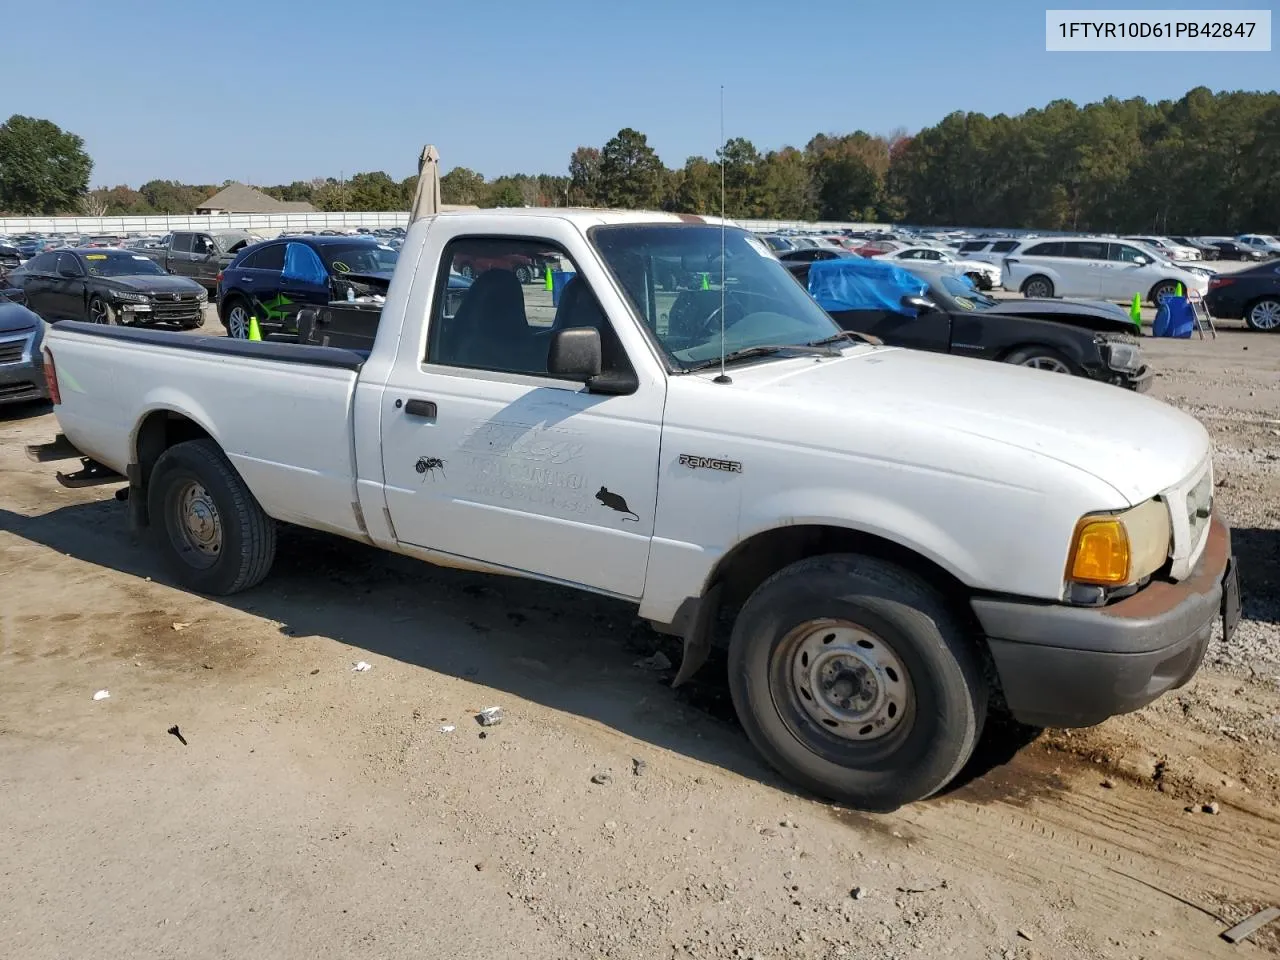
(66, 295)
(488, 457)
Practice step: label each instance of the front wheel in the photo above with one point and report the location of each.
(524, 274)
(1264, 315)
(102, 312)
(236, 318)
(1163, 290)
(1041, 358)
(854, 679)
(208, 526)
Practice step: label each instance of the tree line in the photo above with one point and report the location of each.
(1206, 163)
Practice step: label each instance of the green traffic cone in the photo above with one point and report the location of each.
(1135, 311)
(706, 284)
(1178, 291)
(254, 332)
(550, 284)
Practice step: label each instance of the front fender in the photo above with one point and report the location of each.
(864, 513)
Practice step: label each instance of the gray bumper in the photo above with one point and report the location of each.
(22, 378)
(1064, 666)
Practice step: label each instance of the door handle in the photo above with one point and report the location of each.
(420, 408)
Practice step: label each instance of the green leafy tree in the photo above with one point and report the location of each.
(43, 168)
(504, 193)
(786, 186)
(631, 175)
(373, 191)
(461, 185)
(299, 191)
(584, 177)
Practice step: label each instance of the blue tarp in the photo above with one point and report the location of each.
(304, 264)
(849, 284)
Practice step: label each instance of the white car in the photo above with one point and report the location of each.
(1261, 241)
(1097, 268)
(988, 250)
(985, 275)
(1167, 248)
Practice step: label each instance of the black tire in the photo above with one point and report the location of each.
(247, 541)
(102, 312)
(226, 309)
(524, 274)
(467, 271)
(1165, 288)
(935, 735)
(1043, 358)
(1262, 313)
(1037, 287)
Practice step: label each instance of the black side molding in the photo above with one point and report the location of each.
(224, 346)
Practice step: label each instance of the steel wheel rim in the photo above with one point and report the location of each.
(97, 311)
(195, 527)
(238, 323)
(1265, 315)
(846, 681)
(1052, 364)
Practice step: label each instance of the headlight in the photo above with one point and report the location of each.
(125, 296)
(1116, 549)
(1123, 356)
(203, 295)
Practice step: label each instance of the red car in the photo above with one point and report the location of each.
(526, 269)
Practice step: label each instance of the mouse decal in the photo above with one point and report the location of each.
(615, 501)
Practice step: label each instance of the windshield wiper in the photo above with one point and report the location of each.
(764, 350)
(848, 335)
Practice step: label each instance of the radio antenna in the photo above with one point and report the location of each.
(724, 377)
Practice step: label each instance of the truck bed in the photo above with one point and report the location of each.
(282, 412)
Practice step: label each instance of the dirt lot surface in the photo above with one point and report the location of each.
(314, 811)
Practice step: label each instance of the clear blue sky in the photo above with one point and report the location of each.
(271, 91)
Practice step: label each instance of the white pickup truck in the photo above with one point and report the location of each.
(899, 539)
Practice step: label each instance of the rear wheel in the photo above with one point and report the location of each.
(524, 274)
(212, 533)
(1264, 315)
(1041, 358)
(853, 679)
(1037, 287)
(102, 312)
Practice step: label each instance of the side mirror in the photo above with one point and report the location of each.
(574, 354)
(918, 304)
(1141, 261)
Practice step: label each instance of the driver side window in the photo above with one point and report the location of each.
(69, 266)
(1124, 253)
(499, 301)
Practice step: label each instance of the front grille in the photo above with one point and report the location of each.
(173, 311)
(11, 350)
(19, 391)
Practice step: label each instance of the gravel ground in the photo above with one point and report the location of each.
(310, 810)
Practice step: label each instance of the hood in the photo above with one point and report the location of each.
(153, 283)
(1134, 444)
(14, 317)
(1097, 315)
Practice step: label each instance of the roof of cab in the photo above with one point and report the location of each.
(586, 216)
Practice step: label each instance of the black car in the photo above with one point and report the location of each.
(10, 258)
(1252, 295)
(103, 285)
(1207, 250)
(272, 281)
(1087, 339)
(1231, 250)
(21, 362)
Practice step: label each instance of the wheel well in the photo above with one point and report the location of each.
(160, 430)
(756, 559)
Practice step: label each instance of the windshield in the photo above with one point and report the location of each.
(965, 296)
(672, 275)
(107, 264)
(359, 256)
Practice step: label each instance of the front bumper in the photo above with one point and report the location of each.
(1064, 666)
(22, 378)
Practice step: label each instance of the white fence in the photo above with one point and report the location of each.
(272, 223)
(163, 223)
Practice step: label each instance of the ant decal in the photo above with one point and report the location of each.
(427, 466)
